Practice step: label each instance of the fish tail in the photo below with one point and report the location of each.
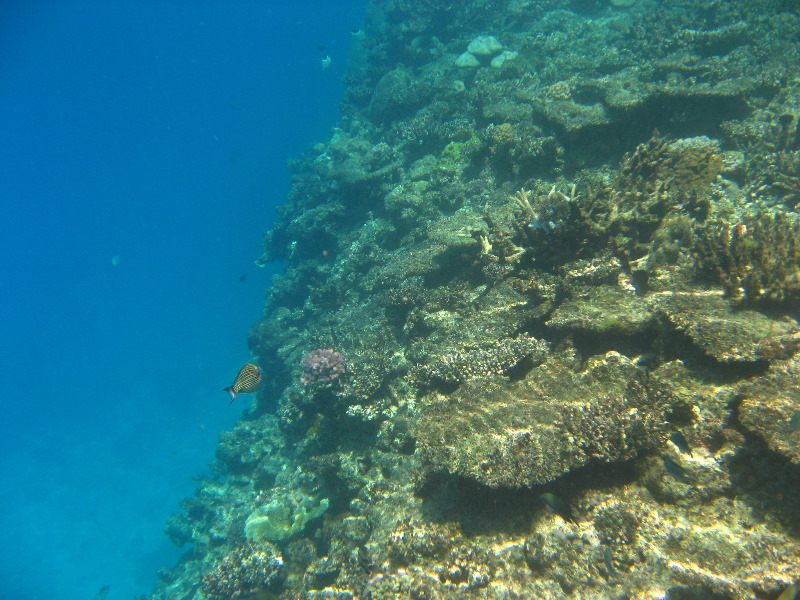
(229, 389)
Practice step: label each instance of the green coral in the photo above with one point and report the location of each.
(283, 517)
(457, 154)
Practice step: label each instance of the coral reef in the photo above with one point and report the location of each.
(556, 243)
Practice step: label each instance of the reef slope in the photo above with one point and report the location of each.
(555, 268)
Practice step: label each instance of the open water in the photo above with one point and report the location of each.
(142, 151)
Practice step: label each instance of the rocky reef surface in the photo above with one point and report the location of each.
(538, 332)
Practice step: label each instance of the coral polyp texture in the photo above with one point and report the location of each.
(557, 243)
(322, 365)
(243, 573)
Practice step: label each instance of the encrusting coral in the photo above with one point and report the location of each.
(285, 515)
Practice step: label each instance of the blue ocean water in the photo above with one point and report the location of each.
(143, 149)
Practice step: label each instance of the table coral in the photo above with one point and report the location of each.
(537, 429)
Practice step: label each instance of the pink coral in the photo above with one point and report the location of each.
(321, 365)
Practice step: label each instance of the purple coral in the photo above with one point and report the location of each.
(323, 364)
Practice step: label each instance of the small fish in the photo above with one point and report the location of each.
(677, 471)
(247, 381)
(794, 422)
(607, 561)
(103, 592)
(790, 593)
(555, 505)
(364, 560)
(677, 438)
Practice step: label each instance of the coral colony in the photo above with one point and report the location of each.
(558, 243)
(322, 366)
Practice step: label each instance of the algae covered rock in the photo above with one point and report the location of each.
(603, 309)
(770, 408)
(396, 94)
(725, 333)
(498, 358)
(534, 430)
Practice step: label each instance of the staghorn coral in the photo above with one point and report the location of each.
(756, 259)
(684, 164)
(552, 227)
(769, 138)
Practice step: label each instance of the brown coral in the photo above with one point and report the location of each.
(244, 572)
(758, 258)
(471, 363)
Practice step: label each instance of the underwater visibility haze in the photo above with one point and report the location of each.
(532, 330)
(144, 148)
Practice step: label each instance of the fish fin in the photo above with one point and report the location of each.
(229, 389)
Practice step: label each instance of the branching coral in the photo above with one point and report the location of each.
(757, 259)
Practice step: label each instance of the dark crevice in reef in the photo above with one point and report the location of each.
(764, 480)
(483, 510)
(674, 117)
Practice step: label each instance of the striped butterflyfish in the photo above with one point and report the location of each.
(248, 380)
